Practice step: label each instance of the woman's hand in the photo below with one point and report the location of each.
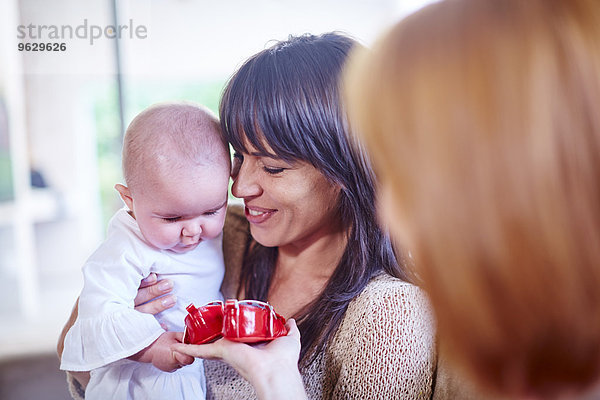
(147, 299)
(271, 368)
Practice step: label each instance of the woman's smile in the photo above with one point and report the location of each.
(257, 215)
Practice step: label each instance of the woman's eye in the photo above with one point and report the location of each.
(171, 219)
(273, 171)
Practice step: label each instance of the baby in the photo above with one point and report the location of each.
(176, 166)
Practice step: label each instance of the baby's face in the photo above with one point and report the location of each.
(178, 212)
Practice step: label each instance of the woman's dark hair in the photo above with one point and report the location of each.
(288, 97)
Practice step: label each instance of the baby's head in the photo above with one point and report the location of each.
(176, 165)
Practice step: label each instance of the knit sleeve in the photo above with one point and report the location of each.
(76, 391)
(386, 343)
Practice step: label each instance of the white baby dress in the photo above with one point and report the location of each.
(108, 329)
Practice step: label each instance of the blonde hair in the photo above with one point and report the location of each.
(483, 119)
(174, 134)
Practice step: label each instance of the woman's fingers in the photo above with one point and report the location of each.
(149, 280)
(149, 291)
(157, 305)
(292, 328)
(207, 351)
(293, 333)
(148, 298)
(196, 350)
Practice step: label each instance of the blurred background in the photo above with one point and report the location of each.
(62, 115)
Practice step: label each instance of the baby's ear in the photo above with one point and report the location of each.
(125, 195)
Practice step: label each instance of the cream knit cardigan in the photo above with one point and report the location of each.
(383, 349)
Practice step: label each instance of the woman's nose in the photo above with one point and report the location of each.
(245, 182)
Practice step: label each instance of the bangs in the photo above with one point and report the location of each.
(284, 102)
(250, 117)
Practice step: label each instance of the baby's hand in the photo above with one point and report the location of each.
(161, 355)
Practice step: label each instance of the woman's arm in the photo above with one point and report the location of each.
(271, 368)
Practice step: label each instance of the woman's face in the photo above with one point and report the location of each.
(286, 204)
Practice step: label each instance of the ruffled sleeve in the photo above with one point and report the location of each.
(97, 341)
(108, 328)
(385, 347)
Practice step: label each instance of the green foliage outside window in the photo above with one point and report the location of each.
(137, 96)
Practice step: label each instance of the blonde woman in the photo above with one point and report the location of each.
(483, 120)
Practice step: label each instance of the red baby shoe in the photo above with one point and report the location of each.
(251, 321)
(204, 324)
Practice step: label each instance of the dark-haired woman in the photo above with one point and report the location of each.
(308, 242)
